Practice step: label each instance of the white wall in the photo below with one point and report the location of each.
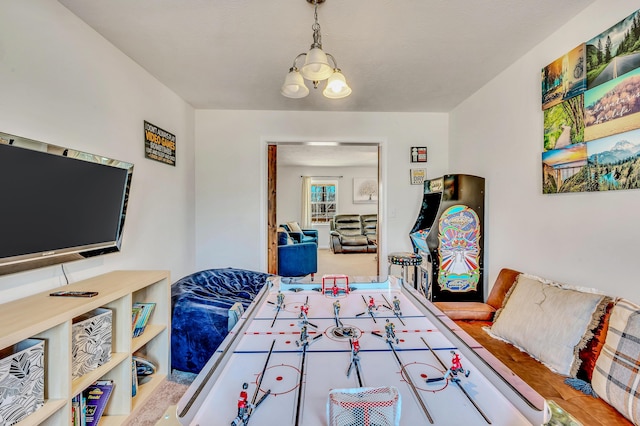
(231, 173)
(289, 194)
(62, 83)
(587, 239)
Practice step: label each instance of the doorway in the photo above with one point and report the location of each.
(340, 166)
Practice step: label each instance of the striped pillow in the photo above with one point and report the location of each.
(615, 377)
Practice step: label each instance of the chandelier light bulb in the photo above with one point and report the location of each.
(316, 65)
(337, 87)
(336, 82)
(294, 86)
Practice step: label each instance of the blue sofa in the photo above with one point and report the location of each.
(200, 304)
(296, 259)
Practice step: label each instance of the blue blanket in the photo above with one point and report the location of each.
(200, 303)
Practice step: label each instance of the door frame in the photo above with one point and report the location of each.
(270, 201)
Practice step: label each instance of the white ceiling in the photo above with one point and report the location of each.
(327, 156)
(397, 55)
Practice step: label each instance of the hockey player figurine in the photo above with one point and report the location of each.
(304, 310)
(334, 290)
(304, 336)
(280, 298)
(355, 347)
(243, 406)
(456, 367)
(389, 328)
(336, 308)
(372, 304)
(396, 306)
(355, 359)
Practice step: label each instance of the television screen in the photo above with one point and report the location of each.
(58, 203)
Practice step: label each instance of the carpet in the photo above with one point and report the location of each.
(168, 393)
(352, 264)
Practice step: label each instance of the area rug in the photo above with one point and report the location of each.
(169, 393)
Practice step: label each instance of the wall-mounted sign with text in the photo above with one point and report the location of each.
(159, 144)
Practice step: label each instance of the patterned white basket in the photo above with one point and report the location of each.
(21, 380)
(91, 341)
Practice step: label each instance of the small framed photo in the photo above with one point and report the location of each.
(418, 154)
(418, 176)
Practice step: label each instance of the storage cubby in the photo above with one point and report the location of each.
(50, 318)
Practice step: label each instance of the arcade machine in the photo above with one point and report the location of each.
(448, 234)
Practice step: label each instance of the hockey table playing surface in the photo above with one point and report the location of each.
(264, 349)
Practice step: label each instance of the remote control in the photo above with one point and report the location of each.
(74, 293)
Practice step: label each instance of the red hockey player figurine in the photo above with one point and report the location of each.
(456, 364)
(242, 402)
(334, 290)
(372, 304)
(456, 367)
(355, 348)
(304, 310)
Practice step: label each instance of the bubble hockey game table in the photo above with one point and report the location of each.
(296, 370)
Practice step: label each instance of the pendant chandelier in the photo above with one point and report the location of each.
(316, 68)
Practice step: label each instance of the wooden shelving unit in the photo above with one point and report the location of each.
(49, 318)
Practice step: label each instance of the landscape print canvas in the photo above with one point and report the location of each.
(564, 124)
(612, 107)
(564, 78)
(614, 162)
(614, 52)
(564, 170)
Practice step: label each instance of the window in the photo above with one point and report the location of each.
(323, 201)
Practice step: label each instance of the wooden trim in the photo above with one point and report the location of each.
(272, 238)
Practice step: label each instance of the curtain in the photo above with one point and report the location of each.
(305, 208)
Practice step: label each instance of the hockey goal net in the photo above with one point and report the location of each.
(340, 282)
(364, 407)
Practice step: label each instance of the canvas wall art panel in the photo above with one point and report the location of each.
(365, 190)
(564, 170)
(614, 162)
(564, 124)
(612, 107)
(564, 78)
(614, 52)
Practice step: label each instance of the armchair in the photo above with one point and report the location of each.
(300, 235)
(370, 226)
(347, 235)
(296, 259)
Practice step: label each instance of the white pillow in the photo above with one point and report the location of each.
(546, 320)
(294, 227)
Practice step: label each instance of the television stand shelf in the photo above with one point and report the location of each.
(50, 318)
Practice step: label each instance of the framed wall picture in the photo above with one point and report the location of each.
(418, 154)
(418, 176)
(365, 190)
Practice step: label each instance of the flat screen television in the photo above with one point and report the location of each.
(58, 204)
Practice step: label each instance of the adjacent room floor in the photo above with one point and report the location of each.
(351, 264)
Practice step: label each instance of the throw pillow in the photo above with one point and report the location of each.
(283, 237)
(294, 227)
(591, 351)
(546, 320)
(615, 378)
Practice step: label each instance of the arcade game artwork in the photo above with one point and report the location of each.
(448, 234)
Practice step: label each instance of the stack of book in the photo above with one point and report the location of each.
(88, 406)
(140, 316)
